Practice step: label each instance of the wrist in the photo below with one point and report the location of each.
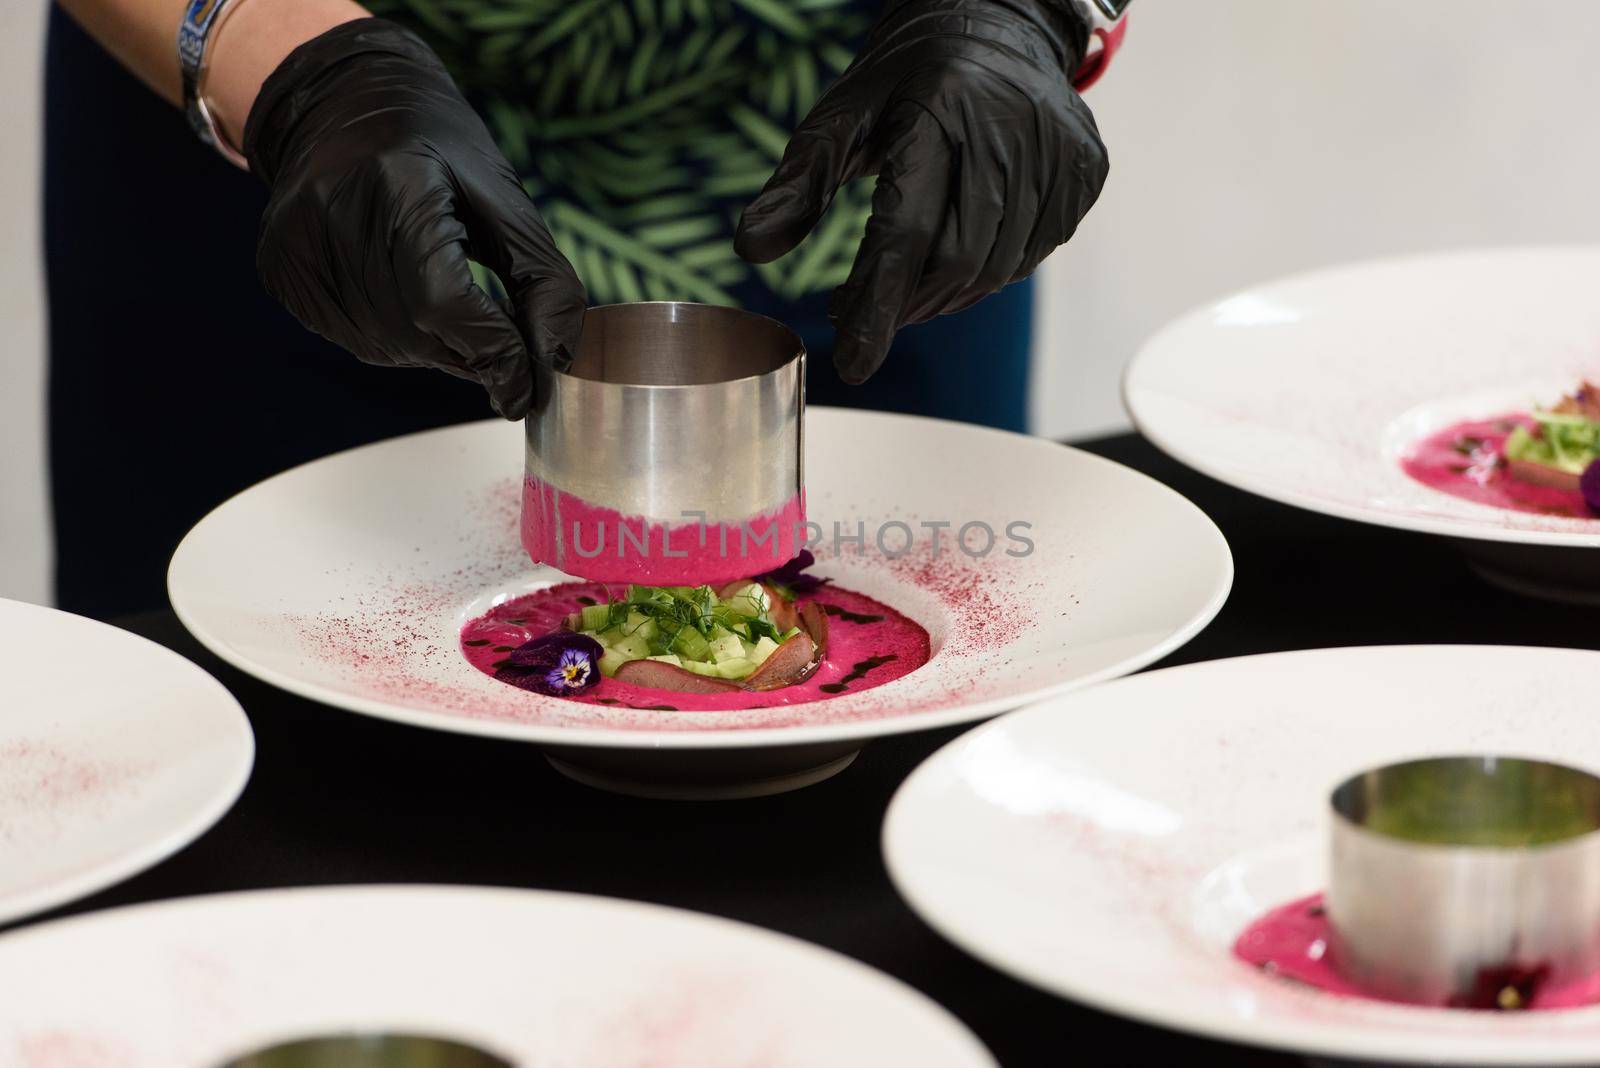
(363, 56)
(253, 40)
(1053, 34)
(1107, 23)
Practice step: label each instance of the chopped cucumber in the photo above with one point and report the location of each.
(633, 647)
(733, 669)
(610, 660)
(691, 644)
(688, 627)
(727, 648)
(750, 601)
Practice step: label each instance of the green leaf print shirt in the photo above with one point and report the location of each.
(643, 127)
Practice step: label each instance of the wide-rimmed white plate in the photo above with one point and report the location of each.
(347, 581)
(1109, 846)
(538, 978)
(114, 754)
(1308, 390)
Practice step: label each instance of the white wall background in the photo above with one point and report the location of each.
(1248, 138)
(1251, 138)
(24, 530)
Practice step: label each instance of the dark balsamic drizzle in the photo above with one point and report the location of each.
(641, 708)
(850, 617)
(857, 672)
(476, 642)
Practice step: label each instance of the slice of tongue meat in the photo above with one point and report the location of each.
(782, 612)
(814, 621)
(791, 662)
(1541, 475)
(800, 656)
(664, 676)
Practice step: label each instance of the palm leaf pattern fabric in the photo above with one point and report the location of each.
(642, 127)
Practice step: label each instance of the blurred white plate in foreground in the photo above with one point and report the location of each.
(114, 754)
(537, 978)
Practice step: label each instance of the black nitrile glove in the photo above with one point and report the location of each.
(384, 181)
(986, 160)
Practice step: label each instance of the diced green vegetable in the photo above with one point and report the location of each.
(734, 669)
(750, 601)
(633, 647)
(727, 648)
(688, 626)
(1567, 442)
(691, 644)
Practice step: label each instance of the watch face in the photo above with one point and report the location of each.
(1113, 9)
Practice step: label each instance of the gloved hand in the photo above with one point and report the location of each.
(986, 160)
(384, 181)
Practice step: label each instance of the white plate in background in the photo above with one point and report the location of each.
(1308, 390)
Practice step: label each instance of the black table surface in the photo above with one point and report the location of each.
(339, 798)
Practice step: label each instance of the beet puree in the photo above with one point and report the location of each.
(1295, 940)
(869, 644)
(713, 553)
(1467, 460)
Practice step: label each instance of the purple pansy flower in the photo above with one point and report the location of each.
(561, 664)
(1589, 485)
(791, 577)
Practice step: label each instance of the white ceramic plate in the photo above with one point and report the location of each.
(347, 581)
(1111, 845)
(1308, 390)
(538, 978)
(114, 754)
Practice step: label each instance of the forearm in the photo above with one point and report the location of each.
(142, 34)
(247, 47)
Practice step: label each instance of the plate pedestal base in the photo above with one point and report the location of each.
(703, 774)
(1570, 574)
